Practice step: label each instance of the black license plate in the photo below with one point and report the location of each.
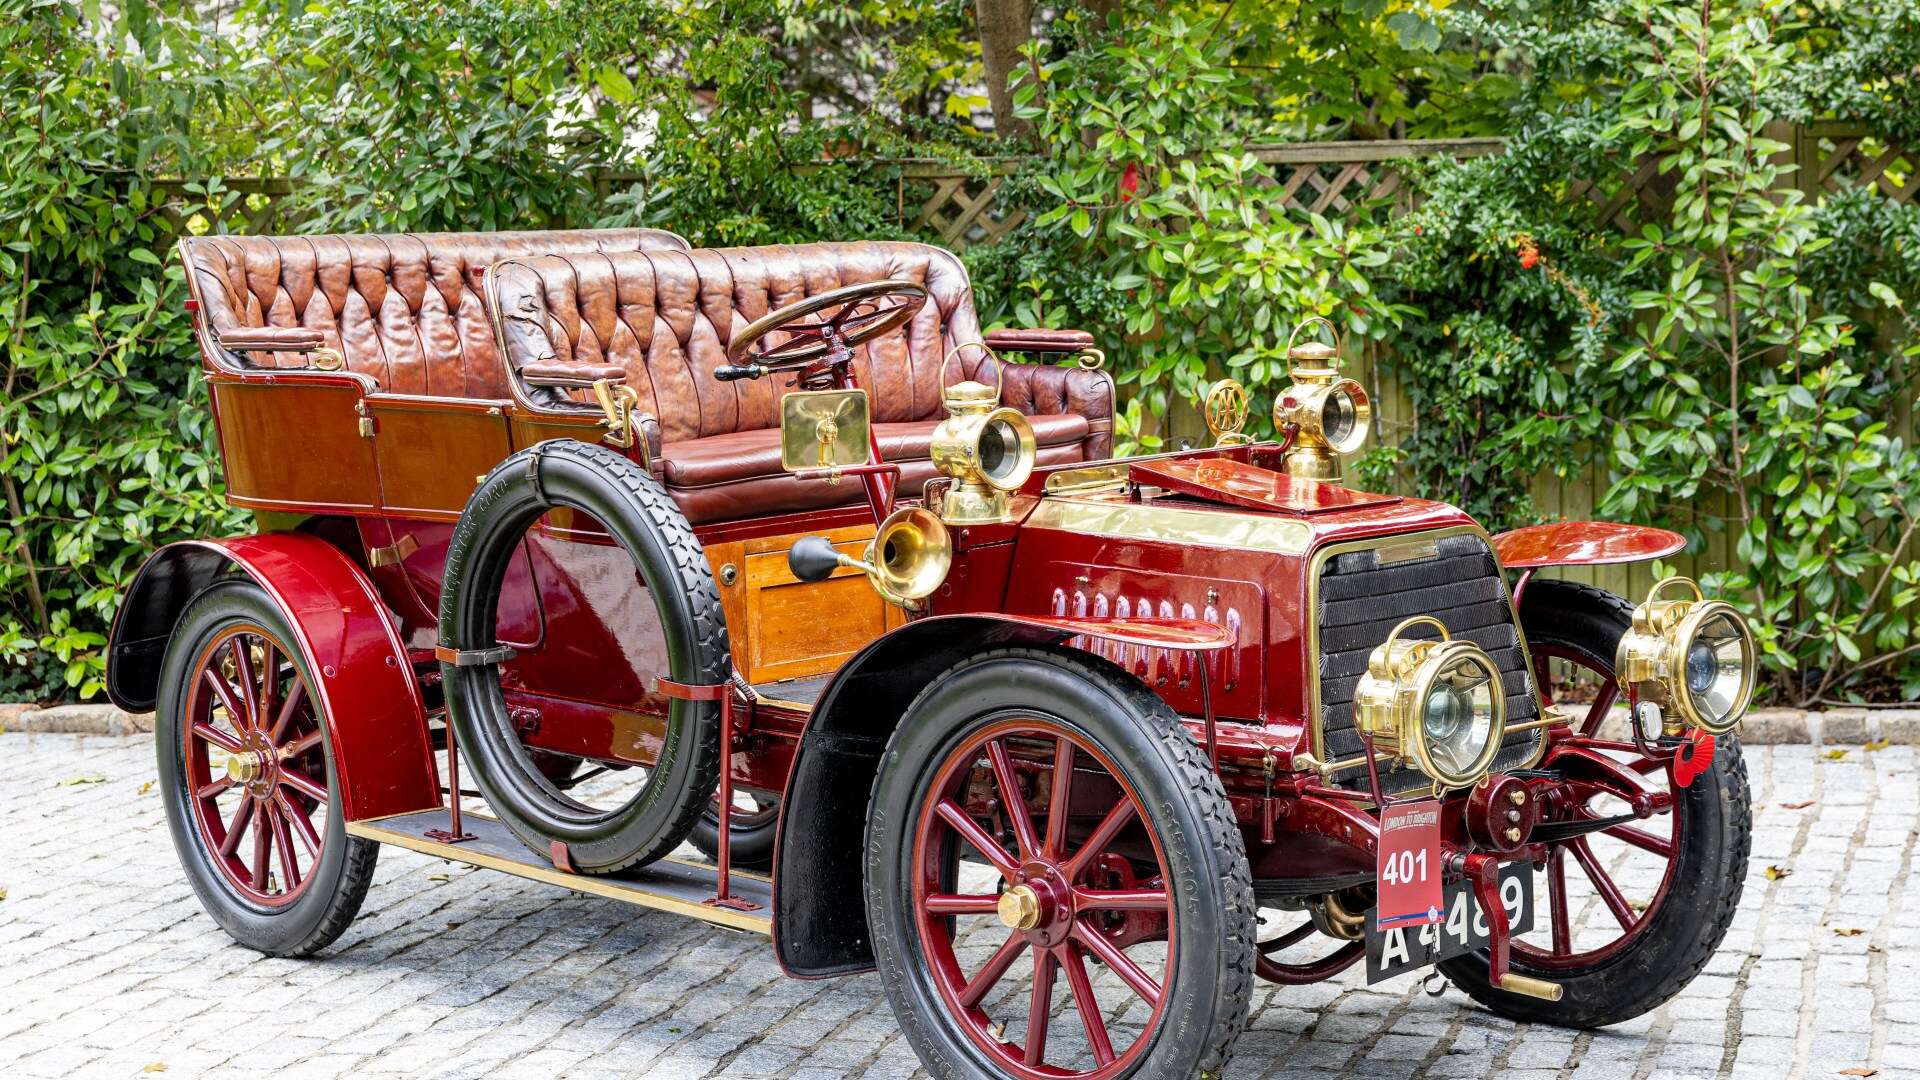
(1461, 929)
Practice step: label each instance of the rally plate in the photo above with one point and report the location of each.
(1461, 929)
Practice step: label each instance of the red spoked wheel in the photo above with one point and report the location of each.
(248, 781)
(1634, 905)
(255, 765)
(1054, 871)
(1047, 903)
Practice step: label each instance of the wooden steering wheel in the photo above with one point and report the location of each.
(866, 311)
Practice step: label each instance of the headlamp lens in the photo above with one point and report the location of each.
(998, 446)
(1715, 669)
(1457, 716)
(1701, 667)
(1337, 417)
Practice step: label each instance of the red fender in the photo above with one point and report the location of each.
(382, 754)
(1583, 543)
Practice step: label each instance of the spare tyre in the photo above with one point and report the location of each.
(644, 521)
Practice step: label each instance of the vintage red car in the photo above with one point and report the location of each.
(1070, 748)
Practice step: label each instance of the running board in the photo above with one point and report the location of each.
(668, 885)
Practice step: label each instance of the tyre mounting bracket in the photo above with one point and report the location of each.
(721, 692)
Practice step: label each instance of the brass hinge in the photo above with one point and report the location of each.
(367, 427)
(394, 554)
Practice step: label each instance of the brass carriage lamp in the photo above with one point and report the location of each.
(986, 448)
(1439, 704)
(1693, 657)
(1329, 414)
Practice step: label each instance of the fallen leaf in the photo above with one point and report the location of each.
(1848, 931)
(1859, 1070)
(1801, 805)
(1878, 744)
(1775, 873)
(1875, 949)
(1836, 755)
(91, 778)
(436, 877)
(146, 787)
(158, 1066)
(3, 894)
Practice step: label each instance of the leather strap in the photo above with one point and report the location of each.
(498, 654)
(692, 691)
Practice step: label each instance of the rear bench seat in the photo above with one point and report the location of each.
(404, 309)
(662, 319)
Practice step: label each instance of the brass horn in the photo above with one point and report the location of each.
(907, 560)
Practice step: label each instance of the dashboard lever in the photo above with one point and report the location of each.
(731, 372)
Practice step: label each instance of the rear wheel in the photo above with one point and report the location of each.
(1056, 885)
(1633, 912)
(248, 778)
(756, 820)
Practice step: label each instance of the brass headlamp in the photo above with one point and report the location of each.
(1439, 704)
(1695, 658)
(1329, 414)
(987, 449)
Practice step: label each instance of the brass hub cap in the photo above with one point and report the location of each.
(243, 768)
(1020, 908)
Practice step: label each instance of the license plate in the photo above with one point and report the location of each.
(1461, 929)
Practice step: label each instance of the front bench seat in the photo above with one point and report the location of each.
(661, 320)
(404, 309)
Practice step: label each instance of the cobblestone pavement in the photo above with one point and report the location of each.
(108, 967)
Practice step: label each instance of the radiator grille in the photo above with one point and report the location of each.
(1360, 602)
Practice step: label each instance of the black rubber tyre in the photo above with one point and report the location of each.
(641, 517)
(753, 837)
(337, 884)
(1708, 877)
(1208, 991)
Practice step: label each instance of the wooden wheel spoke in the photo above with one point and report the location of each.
(300, 746)
(997, 966)
(302, 823)
(1120, 963)
(262, 845)
(1011, 800)
(208, 791)
(1602, 703)
(961, 904)
(1060, 798)
(1088, 1006)
(269, 680)
(1543, 677)
(218, 738)
(295, 696)
(1557, 901)
(1643, 840)
(1603, 884)
(1040, 1005)
(970, 830)
(303, 784)
(237, 828)
(1122, 899)
(1103, 835)
(223, 690)
(249, 683)
(283, 839)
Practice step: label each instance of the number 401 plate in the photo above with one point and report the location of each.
(1461, 929)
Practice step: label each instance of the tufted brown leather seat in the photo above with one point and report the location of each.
(404, 309)
(662, 319)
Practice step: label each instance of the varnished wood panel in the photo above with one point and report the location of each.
(432, 453)
(295, 447)
(783, 628)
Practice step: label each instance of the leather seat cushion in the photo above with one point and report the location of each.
(738, 475)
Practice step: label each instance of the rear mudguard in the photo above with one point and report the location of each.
(819, 919)
(382, 754)
(1583, 543)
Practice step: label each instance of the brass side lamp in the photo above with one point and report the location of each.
(1329, 413)
(986, 448)
(1694, 657)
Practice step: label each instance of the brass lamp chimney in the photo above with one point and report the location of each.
(1329, 414)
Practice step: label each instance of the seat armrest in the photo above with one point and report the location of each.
(571, 376)
(1039, 340)
(272, 339)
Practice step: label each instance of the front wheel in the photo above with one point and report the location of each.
(1041, 818)
(1633, 912)
(248, 779)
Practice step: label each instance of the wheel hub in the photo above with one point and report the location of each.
(253, 767)
(1020, 908)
